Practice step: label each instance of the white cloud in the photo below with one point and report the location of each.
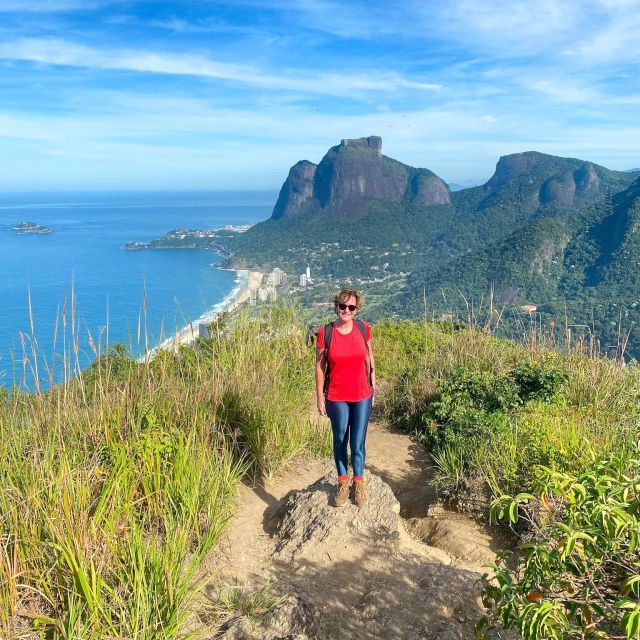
(54, 51)
(126, 140)
(565, 91)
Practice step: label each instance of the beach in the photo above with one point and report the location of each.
(238, 296)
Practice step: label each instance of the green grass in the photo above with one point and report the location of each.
(115, 486)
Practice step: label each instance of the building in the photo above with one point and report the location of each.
(277, 277)
(253, 297)
(303, 279)
(308, 273)
(273, 295)
(263, 294)
(529, 308)
(203, 330)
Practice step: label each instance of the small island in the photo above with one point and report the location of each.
(30, 227)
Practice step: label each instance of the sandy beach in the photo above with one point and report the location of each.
(189, 333)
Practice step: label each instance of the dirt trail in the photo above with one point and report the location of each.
(358, 573)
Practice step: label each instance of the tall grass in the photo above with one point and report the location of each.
(115, 485)
(596, 411)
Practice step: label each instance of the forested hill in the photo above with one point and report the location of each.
(543, 230)
(584, 265)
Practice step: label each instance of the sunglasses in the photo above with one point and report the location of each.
(351, 307)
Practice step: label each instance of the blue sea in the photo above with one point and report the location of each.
(115, 292)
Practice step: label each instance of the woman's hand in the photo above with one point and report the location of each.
(322, 408)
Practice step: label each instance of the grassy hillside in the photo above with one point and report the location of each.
(117, 485)
(547, 441)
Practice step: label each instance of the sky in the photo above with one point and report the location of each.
(110, 95)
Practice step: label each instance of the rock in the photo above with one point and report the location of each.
(430, 189)
(311, 528)
(294, 616)
(356, 573)
(451, 632)
(559, 190)
(294, 619)
(296, 194)
(364, 572)
(349, 176)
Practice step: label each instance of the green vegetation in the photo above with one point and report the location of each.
(558, 431)
(116, 485)
(579, 576)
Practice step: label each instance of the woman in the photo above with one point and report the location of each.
(347, 396)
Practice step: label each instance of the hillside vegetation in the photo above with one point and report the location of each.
(117, 485)
(546, 441)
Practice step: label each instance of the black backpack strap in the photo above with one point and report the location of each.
(328, 331)
(312, 333)
(363, 330)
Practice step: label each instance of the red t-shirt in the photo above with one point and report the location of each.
(348, 371)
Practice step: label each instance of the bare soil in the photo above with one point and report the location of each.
(364, 573)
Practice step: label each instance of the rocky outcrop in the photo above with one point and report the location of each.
(296, 194)
(429, 189)
(571, 187)
(349, 176)
(511, 167)
(559, 190)
(357, 573)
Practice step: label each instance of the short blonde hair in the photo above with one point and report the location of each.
(344, 294)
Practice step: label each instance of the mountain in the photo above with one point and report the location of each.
(349, 175)
(559, 233)
(580, 266)
(458, 186)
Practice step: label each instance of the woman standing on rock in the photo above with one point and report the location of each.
(345, 382)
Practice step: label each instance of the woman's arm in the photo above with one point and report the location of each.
(320, 364)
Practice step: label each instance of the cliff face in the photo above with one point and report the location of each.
(296, 194)
(349, 176)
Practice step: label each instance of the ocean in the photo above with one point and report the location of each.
(115, 292)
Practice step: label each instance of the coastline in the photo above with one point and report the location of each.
(236, 297)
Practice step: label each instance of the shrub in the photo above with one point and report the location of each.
(542, 382)
(579, 576)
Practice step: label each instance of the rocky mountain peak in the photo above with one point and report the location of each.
(513, 166)
(349, 176)
(372, 142)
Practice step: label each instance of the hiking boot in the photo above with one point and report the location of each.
(359, 493)
(342, 493)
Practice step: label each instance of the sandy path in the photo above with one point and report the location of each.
(456, 544)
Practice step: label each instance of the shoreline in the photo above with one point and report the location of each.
(236, 297)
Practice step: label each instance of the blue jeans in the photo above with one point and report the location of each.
(349, 421)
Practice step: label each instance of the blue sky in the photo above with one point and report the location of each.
(212, 95)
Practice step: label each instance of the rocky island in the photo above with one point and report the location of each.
(30, 227)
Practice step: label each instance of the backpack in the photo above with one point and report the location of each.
(328, 332)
